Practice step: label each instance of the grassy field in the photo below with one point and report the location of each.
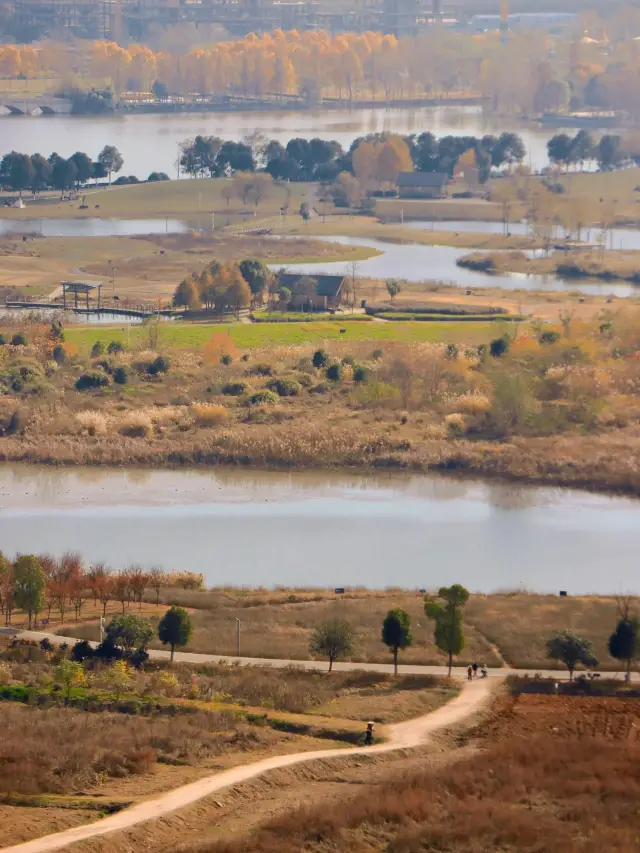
(250, 336)
(188, 198)
(509, 628)
(146, 269)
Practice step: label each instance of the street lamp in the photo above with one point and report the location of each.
(237, 637)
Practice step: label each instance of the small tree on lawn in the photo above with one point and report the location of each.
(119, 677)
(71, 674)
(571, 649)
(446, 612)
(174, 629)
(332, 639)
(396, 633)
(623, 643)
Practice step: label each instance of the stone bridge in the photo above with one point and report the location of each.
(44, 105)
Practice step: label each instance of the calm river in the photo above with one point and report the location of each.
(326, 529)
(150, 142)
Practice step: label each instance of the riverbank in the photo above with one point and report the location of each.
(585, 264)
(594, 463)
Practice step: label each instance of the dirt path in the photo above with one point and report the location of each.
(412, 733)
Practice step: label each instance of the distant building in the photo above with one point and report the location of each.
(525, 21)
(422, 184)
(313, 292)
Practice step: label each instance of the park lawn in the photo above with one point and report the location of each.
(186, 197)
(249, 336)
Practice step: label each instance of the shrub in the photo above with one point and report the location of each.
(92, 379)
(234, 389)
(3, 340)
(115, 347)
(160, 364)
(260, 370)
(226, 359)
(208, 414)
(136, 425)
(377, 354)
(305, 380)
(499, 346)
(550, 336)
(452, 352)
(19, 340)
(93, 423)
(245, 356)
(157, 176)
(59, 354)
(284, 387)
(97, 349)
(320, 358)
(82, 651)
(455, 424)
(120, 375)
(320, 388)
(348, 359)
(334, 372)
(360, 374)
(264, 397)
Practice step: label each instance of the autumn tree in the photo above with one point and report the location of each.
(332, 639)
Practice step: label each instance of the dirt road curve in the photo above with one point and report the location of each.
(402, 736)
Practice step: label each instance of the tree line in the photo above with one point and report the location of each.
(35, 584)
(20, 172)
(610, 152)
(335, 638)
(38, 584)
(375, 157)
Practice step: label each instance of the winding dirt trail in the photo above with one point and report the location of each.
(471, 699)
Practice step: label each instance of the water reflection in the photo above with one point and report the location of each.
(325, 528)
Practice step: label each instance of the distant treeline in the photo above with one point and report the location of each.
(323, 160)
(610, 152)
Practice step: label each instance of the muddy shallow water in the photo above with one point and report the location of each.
(326, 529)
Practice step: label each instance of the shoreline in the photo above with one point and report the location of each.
(455, 460)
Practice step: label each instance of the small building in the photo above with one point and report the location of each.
(422, 184)
(313, 292)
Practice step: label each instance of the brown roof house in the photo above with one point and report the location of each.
(314, 292)
(422, 184)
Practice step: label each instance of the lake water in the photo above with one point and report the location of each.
(616, 238)
(150, 142)
(326, 529)
(415, 262)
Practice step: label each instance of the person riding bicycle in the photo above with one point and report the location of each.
(484, 670)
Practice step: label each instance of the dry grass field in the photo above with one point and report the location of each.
(553, 774)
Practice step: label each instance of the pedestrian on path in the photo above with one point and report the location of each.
(475, 669)
(469, 673)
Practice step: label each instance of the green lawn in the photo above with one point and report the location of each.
(185, 335)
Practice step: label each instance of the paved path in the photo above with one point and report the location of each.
(472, 698)
(339, 666)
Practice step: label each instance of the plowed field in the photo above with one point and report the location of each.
(565, 717)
